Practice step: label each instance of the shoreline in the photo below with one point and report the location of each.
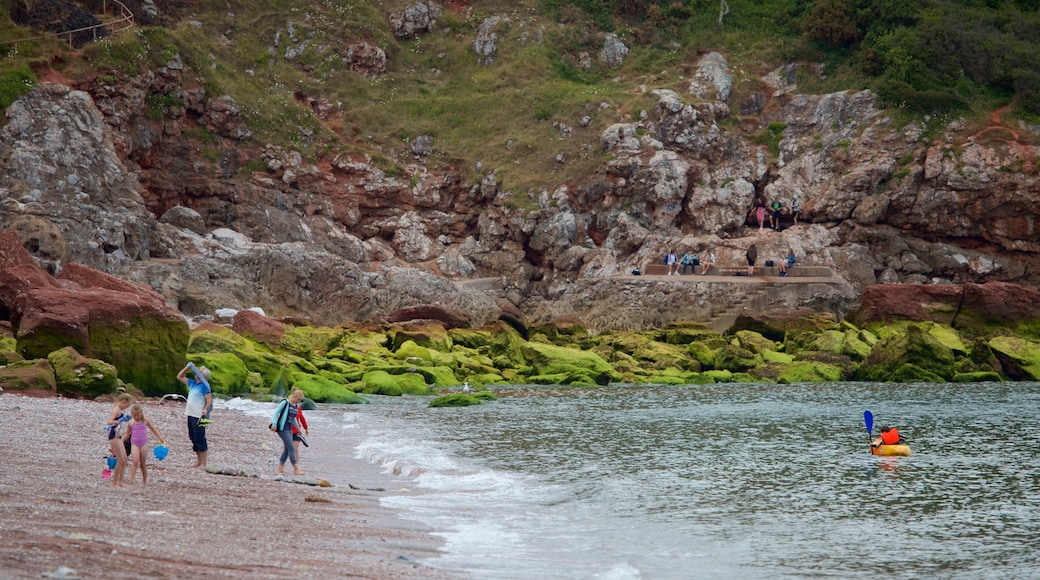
(59, 512)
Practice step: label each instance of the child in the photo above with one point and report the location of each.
(138, 434)
(115, 442)
(301, 423)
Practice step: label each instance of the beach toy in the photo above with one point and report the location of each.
(111, 462)
(106, 473)
(161, 451)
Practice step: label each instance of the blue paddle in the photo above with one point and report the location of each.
(868, 420)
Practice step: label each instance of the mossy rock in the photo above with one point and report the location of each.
(486, 379)
(553, 379)
(547, 357)
(828, 341)
(363, 342)
(432, 336)
(771, 356)
(79, 376)
(911, 373)
(309, 341)
(210, 339)
(809, 372)
(379, 382)
(735, 359)
(325, 391)
(478, 340)
(560, 332)
(753, 341)
(720, 375)
(412, 353)
(456, 400)
(915, 347)
(1019, 358)
(439, 376)
(686, 333)
(485, 395)
(148, 352)
(507, 342)
(9, 350)
(228, 374)
(36, 374)
(978, 377)
(704, 352)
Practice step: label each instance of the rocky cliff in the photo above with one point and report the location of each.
(87, 175)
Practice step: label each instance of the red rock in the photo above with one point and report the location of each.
(124, 324)
(446, 316)
(259, 327)
(994, 302)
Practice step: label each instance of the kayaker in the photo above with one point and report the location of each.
(889, 436)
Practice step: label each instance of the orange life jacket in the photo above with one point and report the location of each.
(890, 437)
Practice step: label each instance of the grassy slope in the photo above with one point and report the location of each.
(505, 115)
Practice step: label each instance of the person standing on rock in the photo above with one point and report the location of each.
(776, 210)
(200, 401)
(752, 255)
(759, 212)
(796, 208)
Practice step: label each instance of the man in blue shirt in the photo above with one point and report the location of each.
(200, 401)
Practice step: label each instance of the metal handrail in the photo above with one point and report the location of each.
(125, 21)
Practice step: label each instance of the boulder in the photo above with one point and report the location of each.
(29, 377)
(915, 353)
(964, 305)
(79, 376)
(254, 325)
(100, 316)
(1019, 358)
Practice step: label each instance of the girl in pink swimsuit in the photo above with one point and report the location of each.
(138, 434)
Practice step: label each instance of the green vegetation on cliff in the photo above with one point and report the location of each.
(284, 61)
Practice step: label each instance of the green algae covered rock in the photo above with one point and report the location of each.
(431, 336)
(323, 390)
(552, 359)
(1020, 358)
(753, 341)
(440, 376)
(309, 341)
(809, 372)
(911, 373)
(720, 375)
(380, 382)
(978, 377)
(456, 400)
(470, 338)
(22, 375)
(9, 350)
(735, 359)
(917, 348)
(79, 376)
(228, 374)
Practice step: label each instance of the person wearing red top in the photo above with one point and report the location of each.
(296, 433)
(889, 436)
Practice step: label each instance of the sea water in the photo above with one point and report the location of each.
(714, 481)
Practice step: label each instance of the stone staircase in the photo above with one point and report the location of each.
(754, 298)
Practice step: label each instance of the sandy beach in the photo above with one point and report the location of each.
(57, 511)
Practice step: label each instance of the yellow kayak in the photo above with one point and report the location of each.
(891, 450)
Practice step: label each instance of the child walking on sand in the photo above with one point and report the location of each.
(138, 434)
(115, 442)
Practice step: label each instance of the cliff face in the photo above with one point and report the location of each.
(88, 176)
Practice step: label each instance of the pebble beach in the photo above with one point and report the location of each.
(60, 519)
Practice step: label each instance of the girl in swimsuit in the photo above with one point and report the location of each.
(115, 442)
(138, 434)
